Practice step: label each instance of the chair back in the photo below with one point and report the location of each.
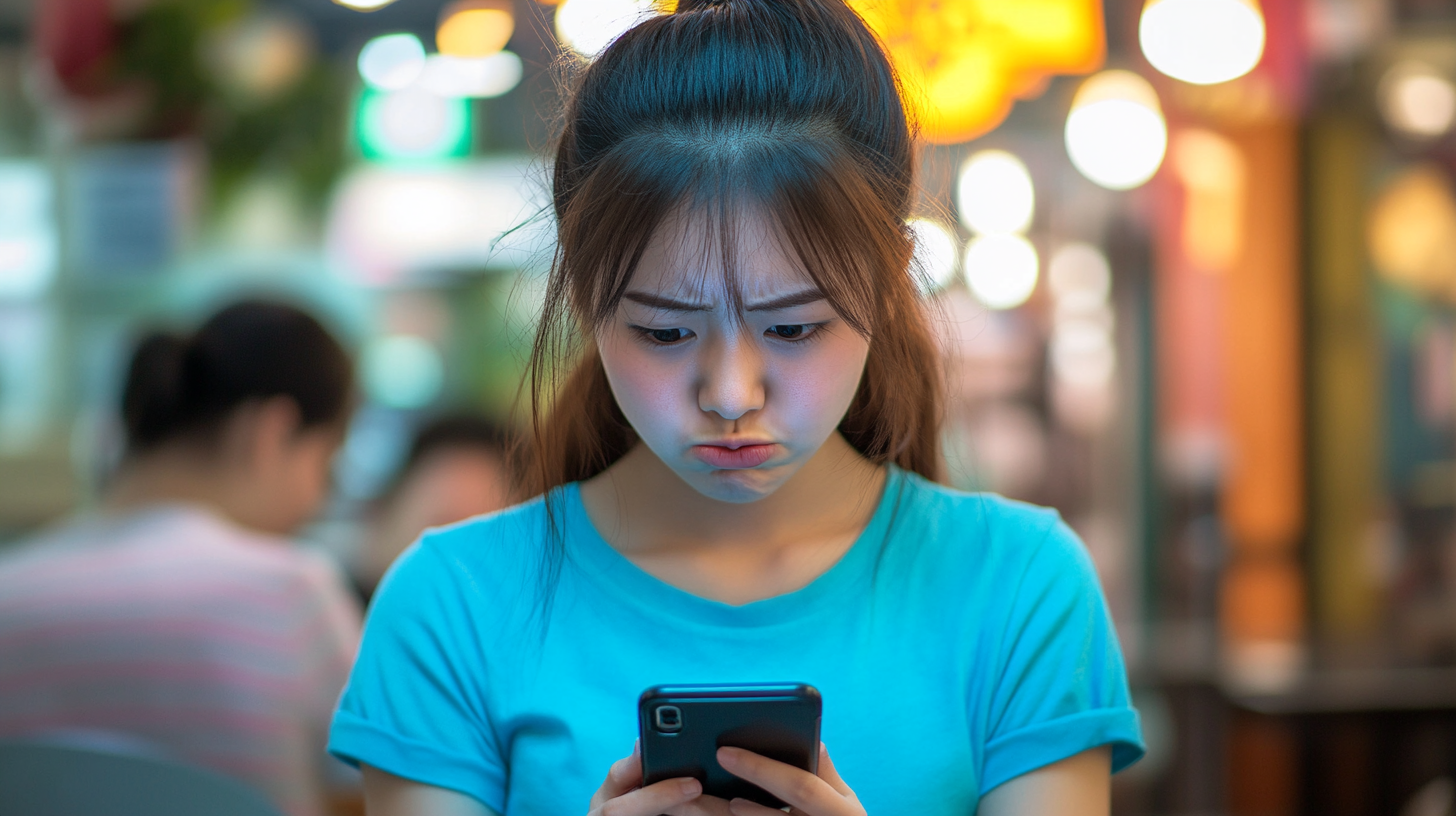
(44, 779)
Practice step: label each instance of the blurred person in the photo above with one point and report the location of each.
(177, 615)
(457, 467)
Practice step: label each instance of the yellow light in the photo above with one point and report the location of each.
(1212, 170)
(589, 26)
(1203, 42)
(474, 29)
(995, 193)
(1412, 232)
(1115, 132)
(1001, 270)
(1417, 100)
(964, 62)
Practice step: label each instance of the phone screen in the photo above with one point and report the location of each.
(682, 727)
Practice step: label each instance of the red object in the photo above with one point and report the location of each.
(76, 37)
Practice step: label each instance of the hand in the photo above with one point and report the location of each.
(808, 794)
(622, 795)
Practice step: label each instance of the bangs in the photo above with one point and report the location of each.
(799, 178)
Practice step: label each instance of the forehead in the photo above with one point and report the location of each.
(699, 257)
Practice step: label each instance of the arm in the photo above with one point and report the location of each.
(388, 795)
(1079, 785)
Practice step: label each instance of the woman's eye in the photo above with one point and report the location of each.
(666, 336)
(792, 331)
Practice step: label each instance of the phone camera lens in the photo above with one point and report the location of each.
(668, 719)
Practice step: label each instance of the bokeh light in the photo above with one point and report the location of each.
(474, 29)
(1411, 231)
(1082, 352)
(364, 5)
(589, 26)
(1001, 269)
(1202, 41)
(995, 193)
(483, 77)
(29, 246)
(1212, 170)
(1115, 133)
(935, 252)
(402, 371)
(1417, 100)
(413, 124)
(391, 62)
(261, 55)
(1079, 277)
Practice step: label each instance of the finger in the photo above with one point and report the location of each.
(652, 800)
(625, 774)
(798, 787)
(743, 807)
(829, 774)
(703, 806)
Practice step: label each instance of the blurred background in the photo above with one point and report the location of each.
(1194, 262)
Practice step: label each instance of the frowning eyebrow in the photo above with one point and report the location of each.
(788, 301)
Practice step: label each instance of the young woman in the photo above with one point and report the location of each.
(738, 477)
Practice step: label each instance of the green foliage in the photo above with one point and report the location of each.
(300, 132)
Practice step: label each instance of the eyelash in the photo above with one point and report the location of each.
(810, 333)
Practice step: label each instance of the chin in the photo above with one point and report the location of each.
(738, 486)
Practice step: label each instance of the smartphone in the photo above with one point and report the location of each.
(682, 727)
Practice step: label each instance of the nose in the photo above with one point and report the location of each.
(731, 379)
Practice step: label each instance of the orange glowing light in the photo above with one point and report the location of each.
(964, 62)
(474, 29)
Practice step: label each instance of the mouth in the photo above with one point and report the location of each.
(734, 456)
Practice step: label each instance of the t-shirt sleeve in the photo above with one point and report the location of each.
(415, 705)
(1062, 687)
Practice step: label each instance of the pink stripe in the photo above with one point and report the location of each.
(147, 629)
(165, 591)
(144, 719)
(205, 677)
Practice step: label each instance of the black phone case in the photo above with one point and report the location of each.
(777, 720)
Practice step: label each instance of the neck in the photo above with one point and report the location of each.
(172, 476)
(643, 506)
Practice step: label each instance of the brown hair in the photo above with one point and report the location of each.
(787, 107)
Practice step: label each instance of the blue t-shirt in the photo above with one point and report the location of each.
(960, 642)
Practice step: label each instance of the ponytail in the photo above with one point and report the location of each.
(186, 386)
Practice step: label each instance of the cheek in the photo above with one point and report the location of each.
(816, 391)
(649, 388)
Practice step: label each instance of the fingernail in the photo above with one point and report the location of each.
(691, 787)
(726, 754)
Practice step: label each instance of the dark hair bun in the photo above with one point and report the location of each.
(152, 401)
(185, 387)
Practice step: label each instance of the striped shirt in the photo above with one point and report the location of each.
(221, 647)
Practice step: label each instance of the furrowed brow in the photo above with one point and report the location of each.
(666, 304)
(787, 301)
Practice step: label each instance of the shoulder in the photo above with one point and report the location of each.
(984, 538)
(502, 534)
(477, 556)
(985, 522)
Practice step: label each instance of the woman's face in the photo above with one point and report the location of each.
(734, 406)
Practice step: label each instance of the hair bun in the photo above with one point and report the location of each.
(153, 400)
